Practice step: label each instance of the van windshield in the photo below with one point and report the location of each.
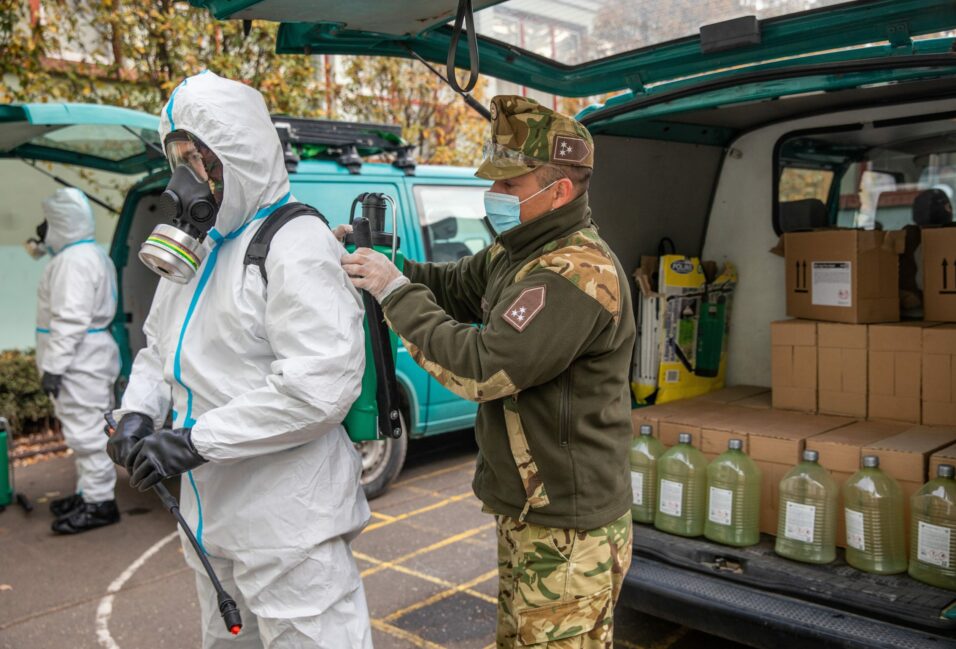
(453, 220)
(575, 32)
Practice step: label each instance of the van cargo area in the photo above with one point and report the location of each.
(708, 179)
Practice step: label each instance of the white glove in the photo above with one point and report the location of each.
(373, 272)
(341, 231)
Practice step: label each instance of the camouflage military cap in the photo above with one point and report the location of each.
(526, 135)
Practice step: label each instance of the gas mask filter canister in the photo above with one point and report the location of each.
(175, 250)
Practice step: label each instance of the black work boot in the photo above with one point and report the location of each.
(63, 506)
(87, 517)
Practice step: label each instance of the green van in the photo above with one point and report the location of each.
(734, 122)
(440, 217)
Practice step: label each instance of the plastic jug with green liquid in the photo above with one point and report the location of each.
(873, 506)
(806, 529)
(733, 498)
(933, 531)
(681, 489)
(645, 451)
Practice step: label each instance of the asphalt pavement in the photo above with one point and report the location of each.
(427, 560)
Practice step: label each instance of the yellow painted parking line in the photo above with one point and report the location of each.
(380, 516)
(436, 530)
(421, 510)
(405, 570)
(437, 597)
(407, 636)
(433, 474)
(434, 546)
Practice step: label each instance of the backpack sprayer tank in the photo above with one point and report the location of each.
(376, 413)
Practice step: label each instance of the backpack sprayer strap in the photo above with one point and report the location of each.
(258, 248)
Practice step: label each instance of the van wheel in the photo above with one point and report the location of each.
(382, 461)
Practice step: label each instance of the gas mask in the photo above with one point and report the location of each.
(36, 247)
(190, 203)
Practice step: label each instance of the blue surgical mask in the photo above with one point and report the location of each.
(504, 210)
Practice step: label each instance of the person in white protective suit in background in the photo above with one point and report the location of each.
(259, 376)
(76, 355)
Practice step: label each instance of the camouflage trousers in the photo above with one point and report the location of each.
(557, 587)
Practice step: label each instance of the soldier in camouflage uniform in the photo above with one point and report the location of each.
(549, 366)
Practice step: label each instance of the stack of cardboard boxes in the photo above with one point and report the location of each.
(848, 379)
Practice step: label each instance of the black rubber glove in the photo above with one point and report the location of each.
(133, 427)
(164, 454)
(50, 383)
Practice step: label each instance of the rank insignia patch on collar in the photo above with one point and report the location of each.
(524, 309)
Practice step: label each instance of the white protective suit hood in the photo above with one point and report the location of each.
(69, 218)
(254, 174)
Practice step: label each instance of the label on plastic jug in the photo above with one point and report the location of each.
(672, 497)
(637, 486)
(854, 530)
(800, 521)
(832, 283)
(721, 506)
(933, 544)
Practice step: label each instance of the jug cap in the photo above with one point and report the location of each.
(810, 456)
(945, 471)
(646, 429)
(735, 444)
(684, 438)
(871, 461)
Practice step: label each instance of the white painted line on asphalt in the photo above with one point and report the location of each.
(105, 608)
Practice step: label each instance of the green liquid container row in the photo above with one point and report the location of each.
(679, 493)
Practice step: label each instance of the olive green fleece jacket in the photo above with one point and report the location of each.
(549, 365)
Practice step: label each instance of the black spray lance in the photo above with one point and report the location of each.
(227, 605)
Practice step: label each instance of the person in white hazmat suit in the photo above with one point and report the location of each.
(259, 377)
(77, 357)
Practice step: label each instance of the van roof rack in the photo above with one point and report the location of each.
(345, 142)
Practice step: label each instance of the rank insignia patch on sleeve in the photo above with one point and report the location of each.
(524, 309)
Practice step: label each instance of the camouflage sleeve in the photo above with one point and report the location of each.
(457, 286)
(534, 332)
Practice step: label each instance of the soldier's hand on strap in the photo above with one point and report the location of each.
(373, 272)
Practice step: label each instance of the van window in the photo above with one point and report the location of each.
(887, 176)
(452, 220)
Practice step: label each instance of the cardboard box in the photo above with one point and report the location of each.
(905, 457)
(943, 456)
(939, 274)
(688, 416)
(734, 394)
(841, 369)
(793, 364)
(760, 402)
(895, 376)
(841, 454)
(939, 375)
(668, 420)
(843, 275)
(726, 424)
(776, 440)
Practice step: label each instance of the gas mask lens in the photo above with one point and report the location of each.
(36, 246)
(175, 250)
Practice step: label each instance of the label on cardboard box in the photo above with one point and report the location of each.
(672, 497)
(832, 283)
(799, 522)
(721, 506)
(637, 486)
(932, 545)
(854, 530)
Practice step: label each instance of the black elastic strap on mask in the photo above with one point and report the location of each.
(258, 248)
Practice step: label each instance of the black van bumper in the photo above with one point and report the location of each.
(757, 617)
